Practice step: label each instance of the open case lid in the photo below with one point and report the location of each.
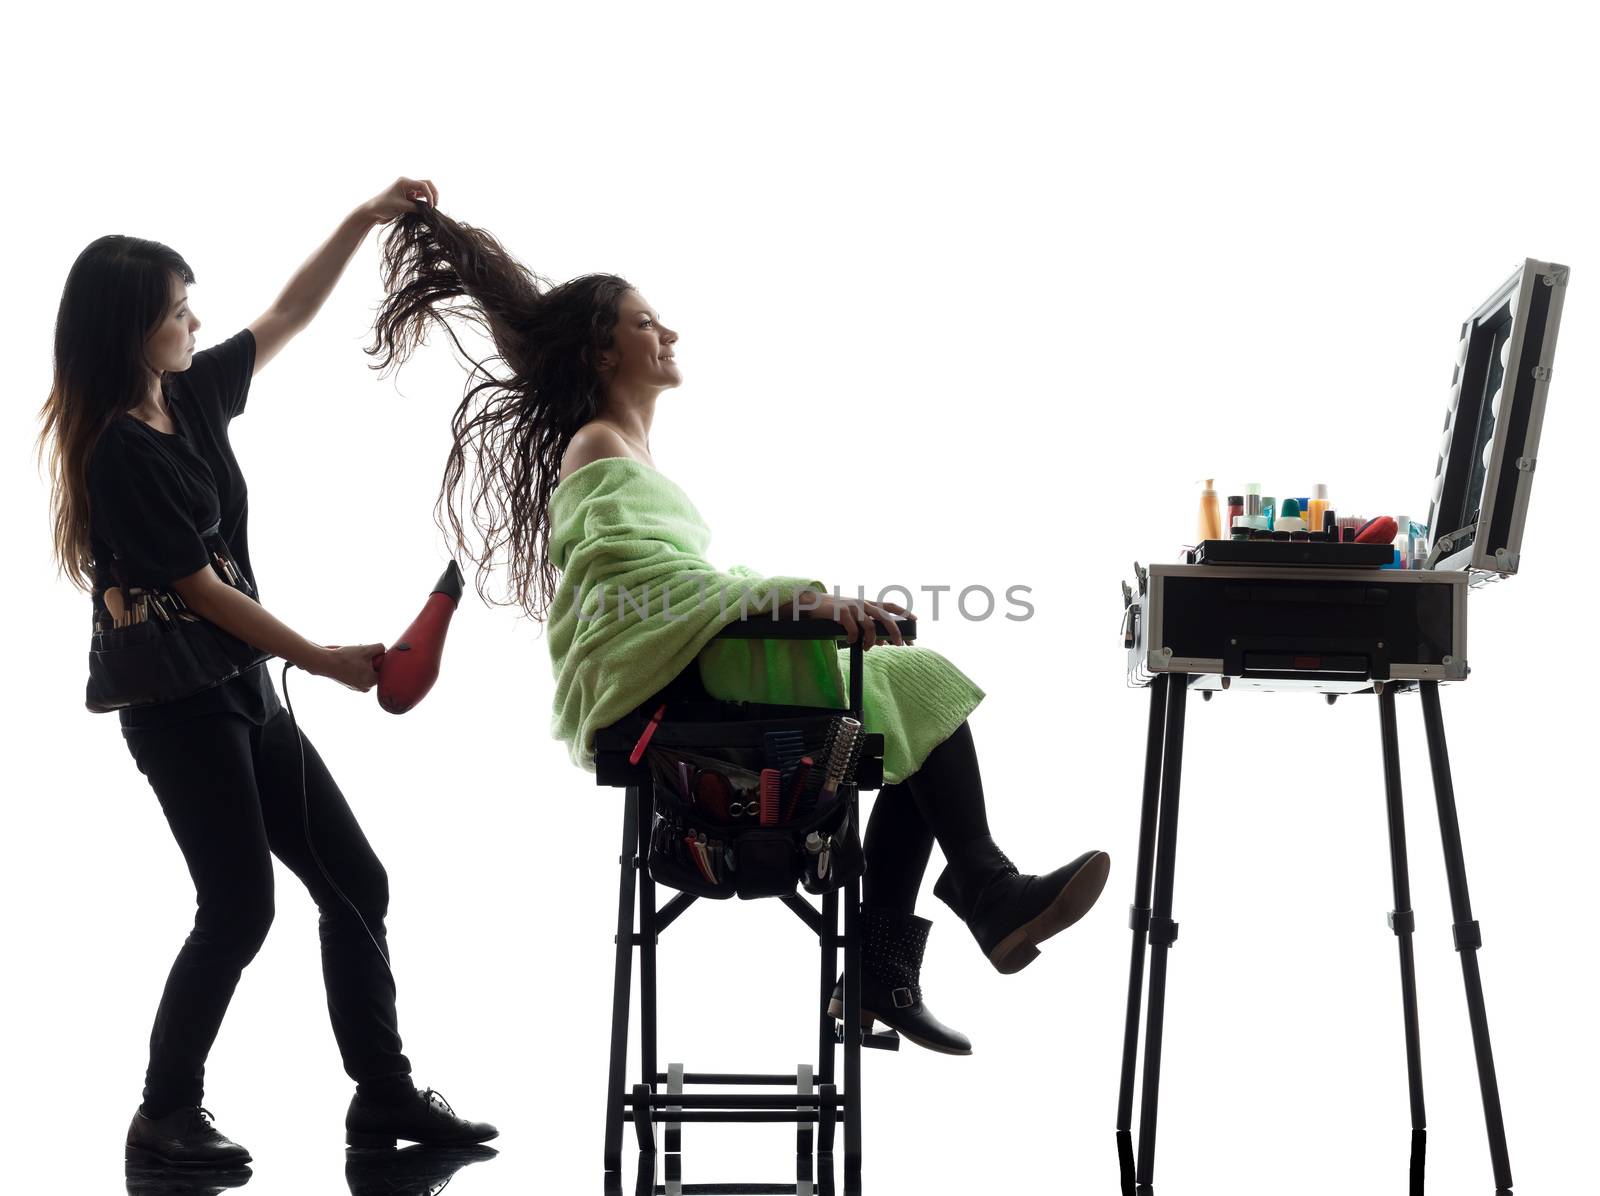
(1491, 428)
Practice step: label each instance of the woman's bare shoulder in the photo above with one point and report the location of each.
(592, 442)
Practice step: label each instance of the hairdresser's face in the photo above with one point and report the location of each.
(643, 351)
(170, 347)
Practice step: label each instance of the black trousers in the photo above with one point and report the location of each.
(231, 793)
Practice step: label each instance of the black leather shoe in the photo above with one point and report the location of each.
(1010, 913)
(414, 1171)
(183, 1138)
(424, 1117)
(891, 969)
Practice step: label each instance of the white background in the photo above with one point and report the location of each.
(965, 298)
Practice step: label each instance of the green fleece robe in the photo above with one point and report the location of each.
(638, 603)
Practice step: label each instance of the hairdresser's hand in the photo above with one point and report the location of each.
(353, 666)
(397, 199)
(856, 615)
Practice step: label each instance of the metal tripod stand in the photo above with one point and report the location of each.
(1152, 924)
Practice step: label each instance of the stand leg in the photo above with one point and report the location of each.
(1402, 921)
(1139, 921)
(1467, 935)
(852, 1032)
(647, 946)
(1163, 930)
(623, 980)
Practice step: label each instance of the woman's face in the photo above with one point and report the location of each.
(643, 353)
(170, 347)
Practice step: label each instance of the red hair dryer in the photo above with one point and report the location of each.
(407, 671)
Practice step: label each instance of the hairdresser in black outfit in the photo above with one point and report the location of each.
(142, 471)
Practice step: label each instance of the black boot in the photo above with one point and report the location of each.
(424, 1117)
(182, 1138)
(1010, 913)
(891, 965)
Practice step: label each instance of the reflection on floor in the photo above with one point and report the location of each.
(414, 1171)
(662, 1175)
(427, 1171)
(183, 1181)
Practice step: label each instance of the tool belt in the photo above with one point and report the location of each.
(157, 649)
(715, 834)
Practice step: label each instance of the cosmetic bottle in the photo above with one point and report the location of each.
(1235, 508)
(1269, 509)
(1319, 504)
(1210, 513)
(1252, 499)
(1402, 540)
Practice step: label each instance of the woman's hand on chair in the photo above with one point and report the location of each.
(857, 616)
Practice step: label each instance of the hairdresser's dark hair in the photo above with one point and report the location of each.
(117, 293)
(522, 405)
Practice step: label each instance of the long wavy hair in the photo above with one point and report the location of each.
(522, 405)
(117, 292)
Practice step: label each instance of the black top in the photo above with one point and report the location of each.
(152, 494)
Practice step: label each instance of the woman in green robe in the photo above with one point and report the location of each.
(554, 432)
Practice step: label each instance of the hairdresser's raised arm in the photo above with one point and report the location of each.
(311, 285)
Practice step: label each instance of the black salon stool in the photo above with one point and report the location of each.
(695, 721)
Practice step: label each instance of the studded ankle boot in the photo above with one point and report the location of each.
(891, 967)
(1010, 913)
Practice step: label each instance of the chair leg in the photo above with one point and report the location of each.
(805, 1132)
(647, 945)
(1467, 934)
(828, 940)
(674, 1143)
(1402, 921)
(644, 1125)
(852, 1031)
(622, 982)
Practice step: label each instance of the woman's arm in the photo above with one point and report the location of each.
(208, 596)
(311, 285)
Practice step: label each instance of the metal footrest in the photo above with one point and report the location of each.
(674, 1106)
(878, 1040)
